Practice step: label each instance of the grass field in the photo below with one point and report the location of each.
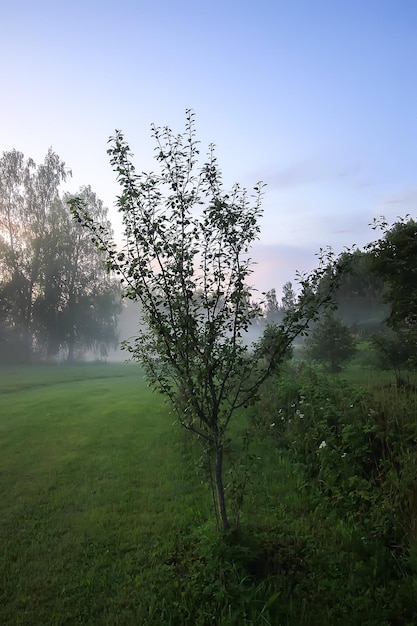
(92, 482)
(105, 519)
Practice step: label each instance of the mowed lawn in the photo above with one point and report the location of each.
(94, 491)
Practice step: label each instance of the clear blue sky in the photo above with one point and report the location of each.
(318, 98)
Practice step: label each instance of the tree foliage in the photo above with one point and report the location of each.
(27, 192)
(54, 292)
(186, 261)
(78, 303)
(272, 311)
(393, 351)
(394, 261)
(331, 343)
(289, 298)
(359, 296)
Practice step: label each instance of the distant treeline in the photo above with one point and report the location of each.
(359, 300)
(57, 300)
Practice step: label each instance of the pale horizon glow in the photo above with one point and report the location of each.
(317, 100)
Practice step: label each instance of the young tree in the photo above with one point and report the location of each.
(186, 261)
(331, 343)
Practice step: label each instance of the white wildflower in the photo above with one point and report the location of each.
(322, 445)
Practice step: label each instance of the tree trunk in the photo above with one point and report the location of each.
(221, 502)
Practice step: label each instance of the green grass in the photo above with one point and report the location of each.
(106, 519)
(92, 483)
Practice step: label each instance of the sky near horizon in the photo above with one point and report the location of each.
(318, 99)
